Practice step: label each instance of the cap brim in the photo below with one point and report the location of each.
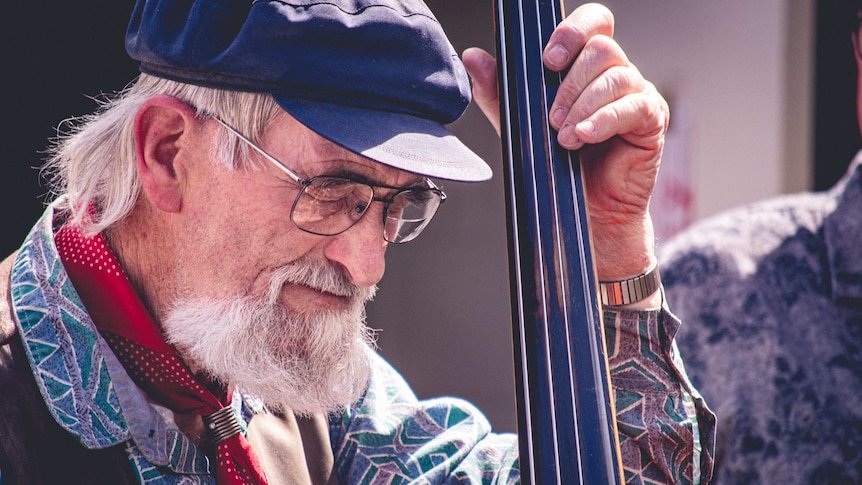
(399, 140)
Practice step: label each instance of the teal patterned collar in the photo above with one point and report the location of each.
(83, 384)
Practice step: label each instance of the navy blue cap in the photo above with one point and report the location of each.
(378, 77)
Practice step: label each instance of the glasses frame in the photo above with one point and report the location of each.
(304, 183)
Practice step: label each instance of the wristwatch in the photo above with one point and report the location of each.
(631, 290)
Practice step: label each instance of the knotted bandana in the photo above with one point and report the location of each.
(153, 364)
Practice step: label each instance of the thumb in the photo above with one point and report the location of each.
(482, 68)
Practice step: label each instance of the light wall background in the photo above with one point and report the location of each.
(738, 76)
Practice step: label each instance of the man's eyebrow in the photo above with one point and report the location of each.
(351, 170)
(344, 169)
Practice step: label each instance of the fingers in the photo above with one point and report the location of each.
(600, 54)
(639, 118)
(604, 95)
(482, 68)
(573, 33)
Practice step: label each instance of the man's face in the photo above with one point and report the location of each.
(239, 221)
(261, 304)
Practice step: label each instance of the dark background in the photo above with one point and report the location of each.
(56, 56)
(836, 132)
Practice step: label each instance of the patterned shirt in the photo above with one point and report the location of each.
(772, 299)
(387, 436)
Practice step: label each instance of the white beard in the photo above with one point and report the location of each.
(307, 362)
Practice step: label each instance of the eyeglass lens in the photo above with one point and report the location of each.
(408, 214)
(331, 205)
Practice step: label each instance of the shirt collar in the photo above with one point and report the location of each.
(84, 386)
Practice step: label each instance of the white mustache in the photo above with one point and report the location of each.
(319, 276)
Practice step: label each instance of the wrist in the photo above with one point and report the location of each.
(623, 250)
(638, 292)
(626, 252)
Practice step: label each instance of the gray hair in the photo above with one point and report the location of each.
(93, 164)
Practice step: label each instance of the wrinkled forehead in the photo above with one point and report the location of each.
(312, 154)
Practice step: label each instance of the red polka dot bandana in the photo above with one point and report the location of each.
(155, 366)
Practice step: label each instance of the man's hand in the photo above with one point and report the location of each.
(616, 118)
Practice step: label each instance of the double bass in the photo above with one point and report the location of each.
(566, 419)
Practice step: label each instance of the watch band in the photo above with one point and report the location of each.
(631, 290)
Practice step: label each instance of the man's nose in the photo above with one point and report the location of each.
(360, 250)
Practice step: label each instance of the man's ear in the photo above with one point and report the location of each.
(164, 127)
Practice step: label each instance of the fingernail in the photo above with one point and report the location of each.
(587, 126)
(559, 116)
(567, 136)
(558, 55)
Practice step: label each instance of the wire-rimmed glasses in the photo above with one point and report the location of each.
(329, 205)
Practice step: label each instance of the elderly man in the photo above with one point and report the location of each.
(190, 309)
